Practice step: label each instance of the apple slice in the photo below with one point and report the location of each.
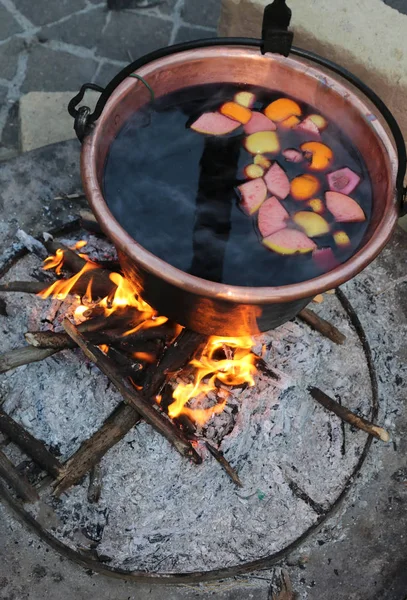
(308, 126)
(262, 142)
(262, 161)
(292, 155)
(344, 181)
(342, 239)
(259, 122)
(312, 224)
(272, 217)
(246, 99)
(321, 155)
(344, 208)
(277, 181)
(319, 121)
(281, 109)
(304, 187)
(325, 259)
(213, 123)
(289, 241)
(253, 193)
(236, 112)
(253, 171)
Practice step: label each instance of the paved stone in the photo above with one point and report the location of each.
(367, 37)
(8, 24)
(44, 118)
(400, 5)
(50, 70)
(84, 30)
(40, 13)
(134, 33)
(187, 33)
(106, 73)
(9, 57)
(11, 133)
(166, 7)
(202, 13)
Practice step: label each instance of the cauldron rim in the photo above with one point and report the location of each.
(219, 291)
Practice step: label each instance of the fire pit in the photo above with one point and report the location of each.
(271, 487)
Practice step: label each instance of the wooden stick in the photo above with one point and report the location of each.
(88, 222)
(23, 356)
(113, 430)
(132, 396)
(19, 483)
(174, 359)
(116, 426)
(219, 456)
(346, 415)
(25, 287)
(323, 327)
(31, 446)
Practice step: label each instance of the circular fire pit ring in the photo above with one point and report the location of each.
(316, 512)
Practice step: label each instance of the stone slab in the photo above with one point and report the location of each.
(40, 13)
(44, 118)
(367, 37)
(56, 71)
(8, 24)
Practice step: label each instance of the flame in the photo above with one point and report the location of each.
(79, 245)
(147, 357)
(55, 262)
(238, 370)
(61, 288)
(104, 348)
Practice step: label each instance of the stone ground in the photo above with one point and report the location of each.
(57, 45)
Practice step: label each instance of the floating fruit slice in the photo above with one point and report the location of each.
(325, 259)
(316, 205)
(246, 99)
(344, 208)
(253, 171)
(272, 217)
(261, 160)
(321, 155)
(319, 121)
(304, 187)
(342, 239)
(259, 122)
(312, 224)
(290, 123)
(213, 123)
(292, 155)
(253, 193)
(236, 112)
(262, 142)
(289, 241)
(281, 109)
(308, 126)
(343, 180)
(277, 181)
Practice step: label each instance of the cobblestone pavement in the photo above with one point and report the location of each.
(56, 45)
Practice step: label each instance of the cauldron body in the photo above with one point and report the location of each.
(220, 309)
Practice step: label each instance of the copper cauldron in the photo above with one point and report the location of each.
(214, 308)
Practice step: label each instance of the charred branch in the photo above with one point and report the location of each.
(323, 327)
(16, 481)
(347, 415)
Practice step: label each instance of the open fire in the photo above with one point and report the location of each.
(222, 363)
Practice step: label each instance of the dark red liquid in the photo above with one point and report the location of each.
(174, 191)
